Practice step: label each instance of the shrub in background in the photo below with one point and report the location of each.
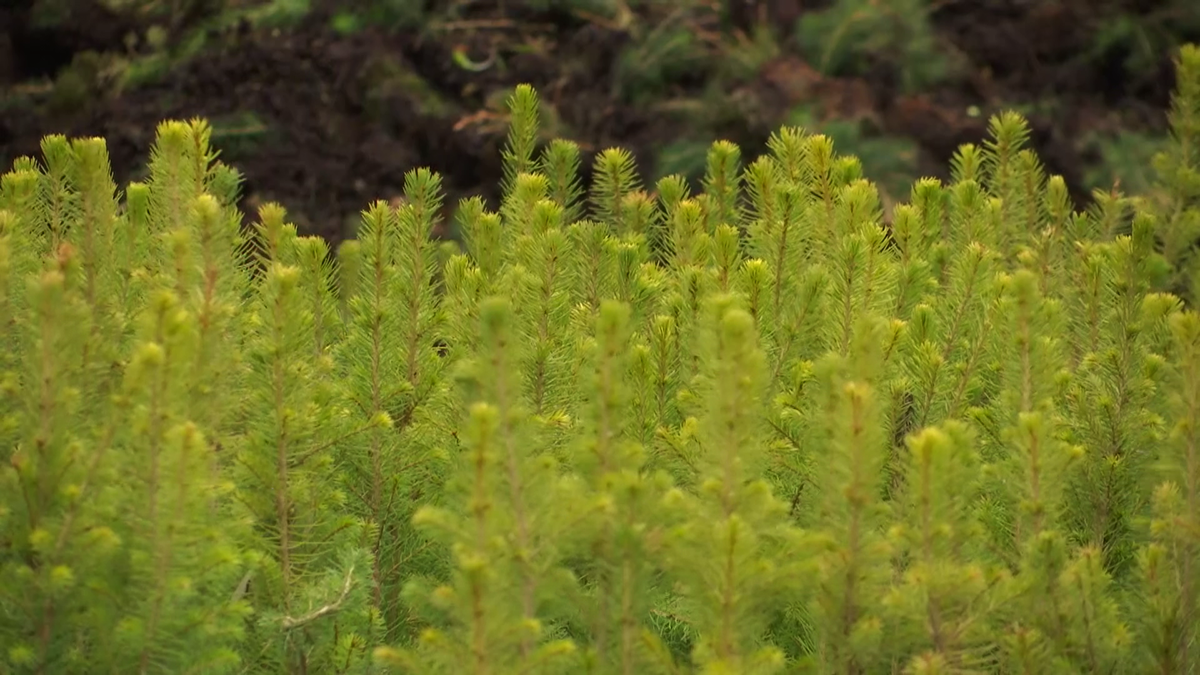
(749, 430)
(848, 37)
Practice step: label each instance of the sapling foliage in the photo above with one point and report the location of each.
(626, 427)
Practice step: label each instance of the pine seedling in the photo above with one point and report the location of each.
(1098, 636)
(931, 199)
(93, 232)
(209, 273)
(28, 241)
(731, 555)
(639, 215)
(1052, 588)
(767, 240)
(789, 148)
(941, 611)
(414, 289)
(198, 250)
(590, 268)
(1065, 617)
(77, 194)
(847, 169)
(1059, 207)
(1087, 269)
(77, 206)
(850, 551)
(481, 635)
(1113, 396)
(546, 215)
(24, 228)
(638, 281)
(614, 175)
(1045, 254)
(775, 233)
(858, 208)
(422, 406)
(860, 212)
(1164, 600)
(1029, 212)
(761, 180)
(275, 239)
(968, 162)
(817, 174)
(1019, 429)
(695, 285)
(179, 164)
(560, 163)
(657, 374)
(722, 183)
(620, 534)
(57, 203)
(61, 552)
(752, 282)
(519, 208)
(1002, 172)
(1178, 170)
(687, 239)
(948, 339)
(914, 273)
(132, 247)
(1110, 214)
(727, 256)
(672, 191)
(505, 574)
(19, 189)
(465, 286)
(862, 279)
(1088, 297)
(181, 559)
(643, 418)
(796, 428)
(486, 243)
(791, 316)
(319, 286)
(1169, 594)
(393, 456)
(967, 207)
(548, 300)
(311, 553)
(225, 183)
(521, 144)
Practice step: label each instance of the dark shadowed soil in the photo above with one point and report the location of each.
(325, 123)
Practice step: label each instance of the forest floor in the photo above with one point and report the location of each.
(327, 111)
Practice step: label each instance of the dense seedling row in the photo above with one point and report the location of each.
(623, 429)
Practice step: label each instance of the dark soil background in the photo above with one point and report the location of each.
(326, 120)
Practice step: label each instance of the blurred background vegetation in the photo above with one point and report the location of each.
(325, 103)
